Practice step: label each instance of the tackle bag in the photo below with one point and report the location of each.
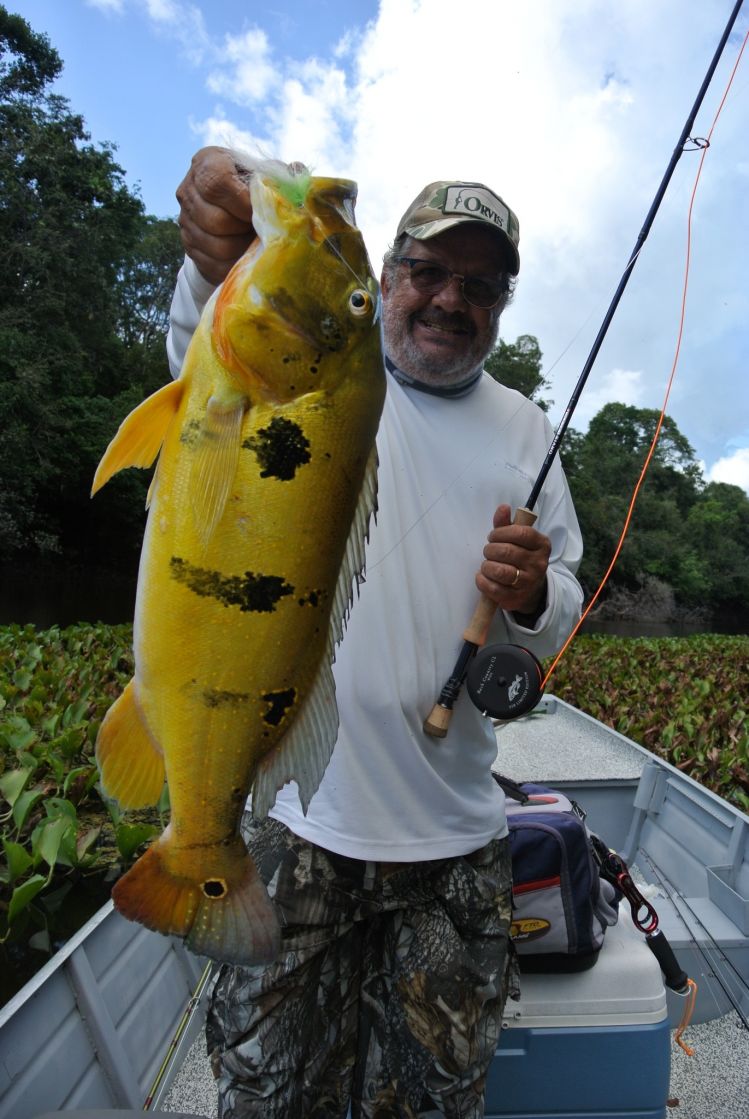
(561, 904)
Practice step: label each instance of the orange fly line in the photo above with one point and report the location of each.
(651, 451)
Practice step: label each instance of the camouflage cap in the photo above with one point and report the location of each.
(442, 205)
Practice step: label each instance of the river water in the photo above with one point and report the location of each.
(48, 596)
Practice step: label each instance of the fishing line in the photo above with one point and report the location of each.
(507, 680)
(700, 144)
(480, 453)
(571, 342)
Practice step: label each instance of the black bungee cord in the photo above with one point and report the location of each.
(505, 681)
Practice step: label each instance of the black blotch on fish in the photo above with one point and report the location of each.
(314, 598)
(190, 433)
(332, 332)
(281, 448)
(279, 702)
(284, 304)
(212, 697)
(250, 592)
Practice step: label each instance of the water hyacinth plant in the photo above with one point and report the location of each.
(685, 698)
(59, 837)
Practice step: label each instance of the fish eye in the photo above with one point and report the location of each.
(360, 303)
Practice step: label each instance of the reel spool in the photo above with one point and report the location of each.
(504, 681)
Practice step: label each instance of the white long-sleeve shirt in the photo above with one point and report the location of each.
(390, 792)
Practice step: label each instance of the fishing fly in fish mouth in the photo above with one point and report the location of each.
(259, 509)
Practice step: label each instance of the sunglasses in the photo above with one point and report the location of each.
(430, 278)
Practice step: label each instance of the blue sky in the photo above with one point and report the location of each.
(570, 109)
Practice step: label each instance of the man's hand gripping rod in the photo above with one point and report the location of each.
(474, 636)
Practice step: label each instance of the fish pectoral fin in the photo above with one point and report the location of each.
(140, 435)
(215, 462)
(303, 753)
(228, 917)
(130, 763)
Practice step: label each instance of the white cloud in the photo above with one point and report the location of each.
(247, 74)
(733, 468)
(184, 23)
(218, 130)
(165, 11)
(315, 117)
(623, 385)
(116, 6)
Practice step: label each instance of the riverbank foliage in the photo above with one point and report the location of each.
(686, 699)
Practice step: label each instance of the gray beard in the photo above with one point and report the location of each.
(403, 352)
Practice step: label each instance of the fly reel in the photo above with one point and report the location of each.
(505, 681)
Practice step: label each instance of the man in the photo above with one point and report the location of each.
(394, 891)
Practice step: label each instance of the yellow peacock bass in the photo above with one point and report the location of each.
(259, 510)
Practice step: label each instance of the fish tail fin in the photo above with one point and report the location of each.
(140, 435)
(130, 763)
(226, 915)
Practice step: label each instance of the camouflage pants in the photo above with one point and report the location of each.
(388, 992)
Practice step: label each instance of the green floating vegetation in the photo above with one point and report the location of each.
(57, 830)
(684, 698)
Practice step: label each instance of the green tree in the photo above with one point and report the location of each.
(672, 516)
(82, 300)
(28, 61)
(518, 366)
(718, 531)
(146, 284)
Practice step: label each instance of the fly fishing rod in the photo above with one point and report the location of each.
(506, 680)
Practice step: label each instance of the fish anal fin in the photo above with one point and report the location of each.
(229, 917)
(304, 751)
(351, 572)
(130, 763)
(140, 435)
(216, 457)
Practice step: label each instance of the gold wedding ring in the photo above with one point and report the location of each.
(514, 582)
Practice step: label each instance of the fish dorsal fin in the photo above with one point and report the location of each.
(304, 752)
(140, 435)
(216, 457)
